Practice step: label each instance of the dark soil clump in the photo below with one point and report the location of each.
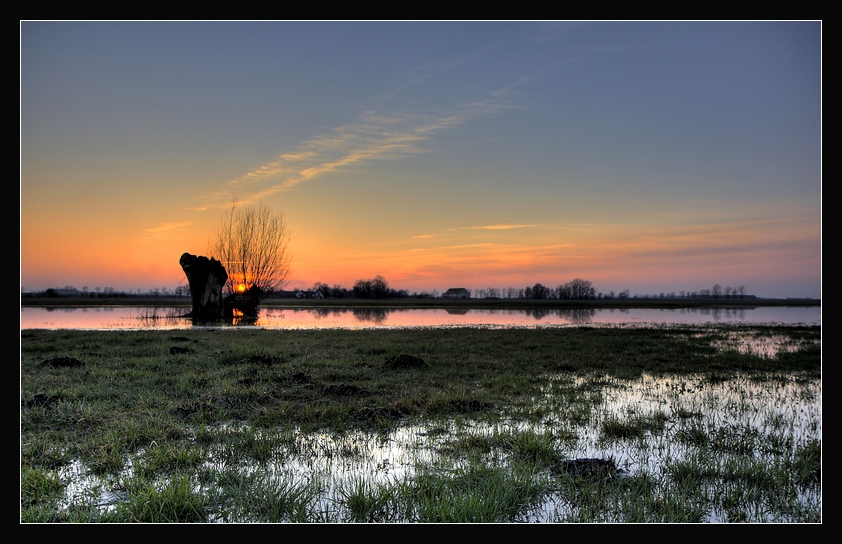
(64, 362)
(267, 360)
(299, 377)
(405, 361)
(47, 401)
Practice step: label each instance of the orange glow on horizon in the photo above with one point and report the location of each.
(640, 257)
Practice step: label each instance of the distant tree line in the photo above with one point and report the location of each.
(717, 292)
(378, 288)
(106, 292)
(579, 289)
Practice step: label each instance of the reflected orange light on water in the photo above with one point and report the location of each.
(363, 318)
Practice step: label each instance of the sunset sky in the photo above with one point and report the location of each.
(648, 156)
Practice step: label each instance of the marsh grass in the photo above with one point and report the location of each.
(176, 501)
(634, 427)
(367, 501)
(475, 493)
(246, 496)
(315, 426)
(39, 487)
(153, 314)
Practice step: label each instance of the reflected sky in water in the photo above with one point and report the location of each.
(164, 318)
(749, 411)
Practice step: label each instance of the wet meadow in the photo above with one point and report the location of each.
(606, 424)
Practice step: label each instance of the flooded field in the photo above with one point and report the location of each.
(650, 429)
(671, 424)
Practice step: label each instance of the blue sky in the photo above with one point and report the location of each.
(649, 156)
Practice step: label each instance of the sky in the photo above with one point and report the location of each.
(653, 157)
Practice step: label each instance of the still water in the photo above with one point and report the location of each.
(164, 318)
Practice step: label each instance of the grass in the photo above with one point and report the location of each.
(280, 426)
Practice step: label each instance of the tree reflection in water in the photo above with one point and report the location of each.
(373, 315)
(580, 316)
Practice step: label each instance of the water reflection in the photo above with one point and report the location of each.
(744, 412)
(371, 315)
(581, 316)
(127, 317)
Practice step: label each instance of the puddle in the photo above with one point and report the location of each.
(762, 346)
(786, 412)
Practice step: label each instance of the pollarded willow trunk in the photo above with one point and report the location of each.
(207, 277)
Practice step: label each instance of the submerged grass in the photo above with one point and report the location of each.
(207, 425)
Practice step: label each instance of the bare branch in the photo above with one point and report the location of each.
(252, 243)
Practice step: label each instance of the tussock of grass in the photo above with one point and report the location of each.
(177, 501)
(636, 427)
(473, 494)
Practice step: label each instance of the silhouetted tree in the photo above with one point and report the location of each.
(362, 289)
(379, 287)
(577, 289)
(322, 288)
(252, 245)
(376, 287)
(539, 291)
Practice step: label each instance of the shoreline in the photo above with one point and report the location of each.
(431, 303)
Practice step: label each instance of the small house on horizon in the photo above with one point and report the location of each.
(456, 292)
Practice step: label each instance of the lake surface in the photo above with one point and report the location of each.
(165, 318)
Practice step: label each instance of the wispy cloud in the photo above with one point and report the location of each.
(374, 136)
(469, 246)
(164, 230)
(447, 232)
(495, 227)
